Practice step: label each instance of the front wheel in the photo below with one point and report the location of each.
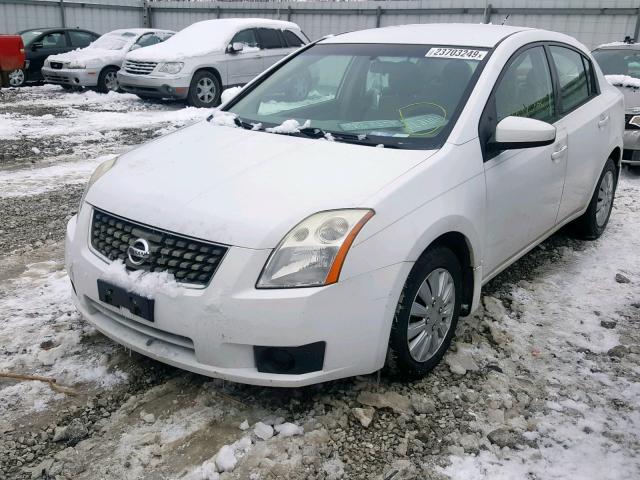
(108, 80)
(205, 90)
(426, 315)
(593, 222)
(17, 78)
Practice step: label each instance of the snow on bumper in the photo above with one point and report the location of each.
(213, 331)
(155, 86)
(71, 76)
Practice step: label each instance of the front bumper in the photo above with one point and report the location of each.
(173, 87)
(214, 330)
(71, 76)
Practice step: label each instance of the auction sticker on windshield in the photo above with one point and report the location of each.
(461, 53)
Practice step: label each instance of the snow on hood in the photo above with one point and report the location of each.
(202, 38)
(82, 56)
(240, 187)
(623, 81)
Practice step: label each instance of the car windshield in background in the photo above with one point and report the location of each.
(405, 96)
(29, 35)
(619, 61)
(113, 41)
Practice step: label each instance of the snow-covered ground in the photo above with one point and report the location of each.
(543, 382)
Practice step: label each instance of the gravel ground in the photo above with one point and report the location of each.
(542, 381)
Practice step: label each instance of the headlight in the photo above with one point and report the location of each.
(76, 66)
(313, 252)
(170, 67)
(103, 168)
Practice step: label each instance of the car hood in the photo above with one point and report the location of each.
(243, 188)
(89, 55)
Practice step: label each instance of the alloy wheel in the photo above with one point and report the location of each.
(431, 315)
(605, 198)
(111, 81)
(16, 78)
(206, 90)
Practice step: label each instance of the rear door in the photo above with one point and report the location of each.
(243, 66)
(274, 46)
(586, 119)
(523, 186)
(50, 43)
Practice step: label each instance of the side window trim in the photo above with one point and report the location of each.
(490, 106)
(592, 94)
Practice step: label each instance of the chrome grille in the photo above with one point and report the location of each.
(139, 68)
(189, 260)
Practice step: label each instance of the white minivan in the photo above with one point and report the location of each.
(199, 62)
(345, 208)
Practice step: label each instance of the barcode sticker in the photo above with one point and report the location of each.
(461, 53)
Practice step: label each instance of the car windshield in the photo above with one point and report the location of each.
(619, 61)
(29, 35)
(114, 41)
(403, 96)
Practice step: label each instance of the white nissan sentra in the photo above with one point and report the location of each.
(345, 208)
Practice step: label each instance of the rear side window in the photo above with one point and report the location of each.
(292, 39)
(81, 39)
(270, 38)
(246, 37)
(572, 76)
(525, 89)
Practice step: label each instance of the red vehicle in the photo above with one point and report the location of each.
(11, 56)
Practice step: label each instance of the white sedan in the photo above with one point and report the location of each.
(345, 208)
(97, 65)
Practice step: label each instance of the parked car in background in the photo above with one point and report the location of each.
(345, 208)
(11, 56)
(39, 43)
(200, 61)
(620, 62)
(97, 65)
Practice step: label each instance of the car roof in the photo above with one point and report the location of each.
(139, 31)
(248, 23)
(49, 29)
(454, 34)
(618, 46)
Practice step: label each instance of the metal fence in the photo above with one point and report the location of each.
(591, 21)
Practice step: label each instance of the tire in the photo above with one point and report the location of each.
(108, 80)
(436, 264)
(594, 221)
(205, 90)
(17, 78)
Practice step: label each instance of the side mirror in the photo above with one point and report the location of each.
(36, 46)
(520, 132)
(235, 47)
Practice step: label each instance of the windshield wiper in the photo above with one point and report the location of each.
(246, 125)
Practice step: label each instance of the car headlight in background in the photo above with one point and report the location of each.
(170, 67)
(100, 170)
(312, 254)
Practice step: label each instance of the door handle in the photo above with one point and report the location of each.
(555, 156)
(603, 121)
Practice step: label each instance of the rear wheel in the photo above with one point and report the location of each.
(108, 80)
(17, 78)
(594, 221)
(427, 314)
(205, 90)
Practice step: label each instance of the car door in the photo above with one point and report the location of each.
(50, 43)
(586, 119)
(274, 46)
(523, 186)
(244, 65)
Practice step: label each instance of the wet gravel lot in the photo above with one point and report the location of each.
(542, 381)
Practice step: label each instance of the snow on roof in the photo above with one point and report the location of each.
(204, 37)
(458, 34)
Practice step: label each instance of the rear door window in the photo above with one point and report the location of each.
(54, 40)
(80, 39)
(270, 38)
(572, 76)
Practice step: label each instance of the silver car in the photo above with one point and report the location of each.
(200, 61)
(96, 66)
(620, 62)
